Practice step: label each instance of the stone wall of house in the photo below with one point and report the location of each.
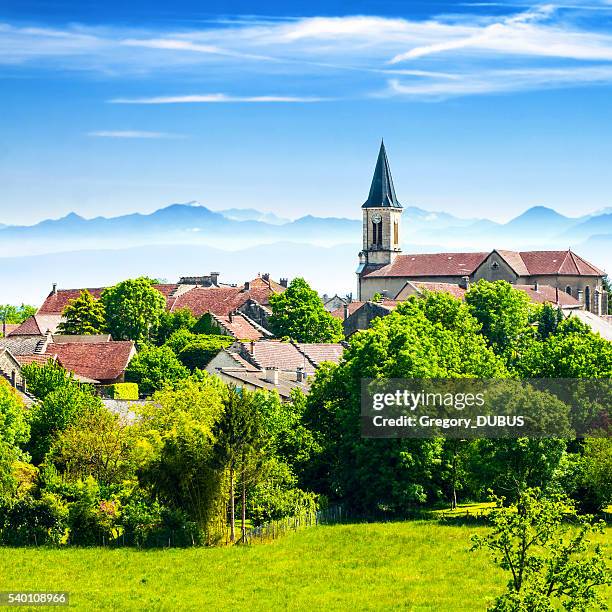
(494, 268)
(362, 318)
(256, 312)
(11, 369)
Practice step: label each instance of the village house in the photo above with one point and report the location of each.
(383, 269)
(273, 364)
(201, 295)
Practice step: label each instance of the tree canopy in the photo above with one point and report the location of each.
(83, 315)
(299, 314)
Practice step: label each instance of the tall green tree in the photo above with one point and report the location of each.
(298, 313)
(502, 311)
(153, 368)
(239, 435)
(551, 562)
(133, 309)
(84, 315)
(171, 322)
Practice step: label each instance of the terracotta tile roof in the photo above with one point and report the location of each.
(39, 359)
(352, 307)
(558, 262)
(38, 325)
(56, 302)
(452, 288)
(223, 300)
(515, 261)
(275, 354)
(239, 326)
(9, 327)
(546, 293)
(102, 361)
(286, 380)
(318, 353)
(431, 264)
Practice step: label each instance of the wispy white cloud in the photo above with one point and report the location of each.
(132, 134)
(332, 57)
(215, 98)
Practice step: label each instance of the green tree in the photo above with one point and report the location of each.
(16, 314)
(430, 337)
(548, 318)
(597, 470)
(299, 314)
(83, 315)
(171, 322)
(608, 289)
(56, 412)
(550, 560)
(42, 379)
(239, 435)
(153, 367)
(502, 311)
(183, 469)
(98, 444)
(199, 353)
(133, 309)
(14, 432)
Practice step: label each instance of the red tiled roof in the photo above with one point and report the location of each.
(39, 359)
(318, 353)
(100, 361)
(558, 262)
(274, 354)
(453, 289)
(28, 328)
(239, 327)
(546, 293)
(7, 328)
(56, 302)
(352, 307)
(431, 264)
(223, 300)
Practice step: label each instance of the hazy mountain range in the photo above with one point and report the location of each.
(186, 239)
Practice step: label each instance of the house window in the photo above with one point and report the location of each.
(568, 290)
(587, 298)
(494, 265)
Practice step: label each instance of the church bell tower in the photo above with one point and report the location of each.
(381, 218)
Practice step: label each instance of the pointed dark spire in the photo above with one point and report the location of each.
(382, 192)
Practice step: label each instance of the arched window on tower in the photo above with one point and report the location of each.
(396, 233)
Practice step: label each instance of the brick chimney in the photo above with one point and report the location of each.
(252, 347)
(214, 278)
(247, 286)
(54, 289)
(346, 312)
(300, 375)
(284, 282)
(266, 276)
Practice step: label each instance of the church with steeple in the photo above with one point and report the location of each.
(560, 277)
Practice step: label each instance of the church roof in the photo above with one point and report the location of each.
(431, 264)
(382, 192)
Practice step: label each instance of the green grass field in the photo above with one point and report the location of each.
(410, 566)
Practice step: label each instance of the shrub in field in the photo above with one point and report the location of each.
(543, 543)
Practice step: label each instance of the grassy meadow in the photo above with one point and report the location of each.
(418, 565)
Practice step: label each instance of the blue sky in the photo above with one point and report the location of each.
(487, 108)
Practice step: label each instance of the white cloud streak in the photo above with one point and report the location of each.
(215, 98)
(128, 134)
(336, 57)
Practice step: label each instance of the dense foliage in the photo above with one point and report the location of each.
(83, 315)
(299, 314)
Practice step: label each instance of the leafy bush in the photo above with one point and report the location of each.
(122, 391)
(198, 354)
(153, 367)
